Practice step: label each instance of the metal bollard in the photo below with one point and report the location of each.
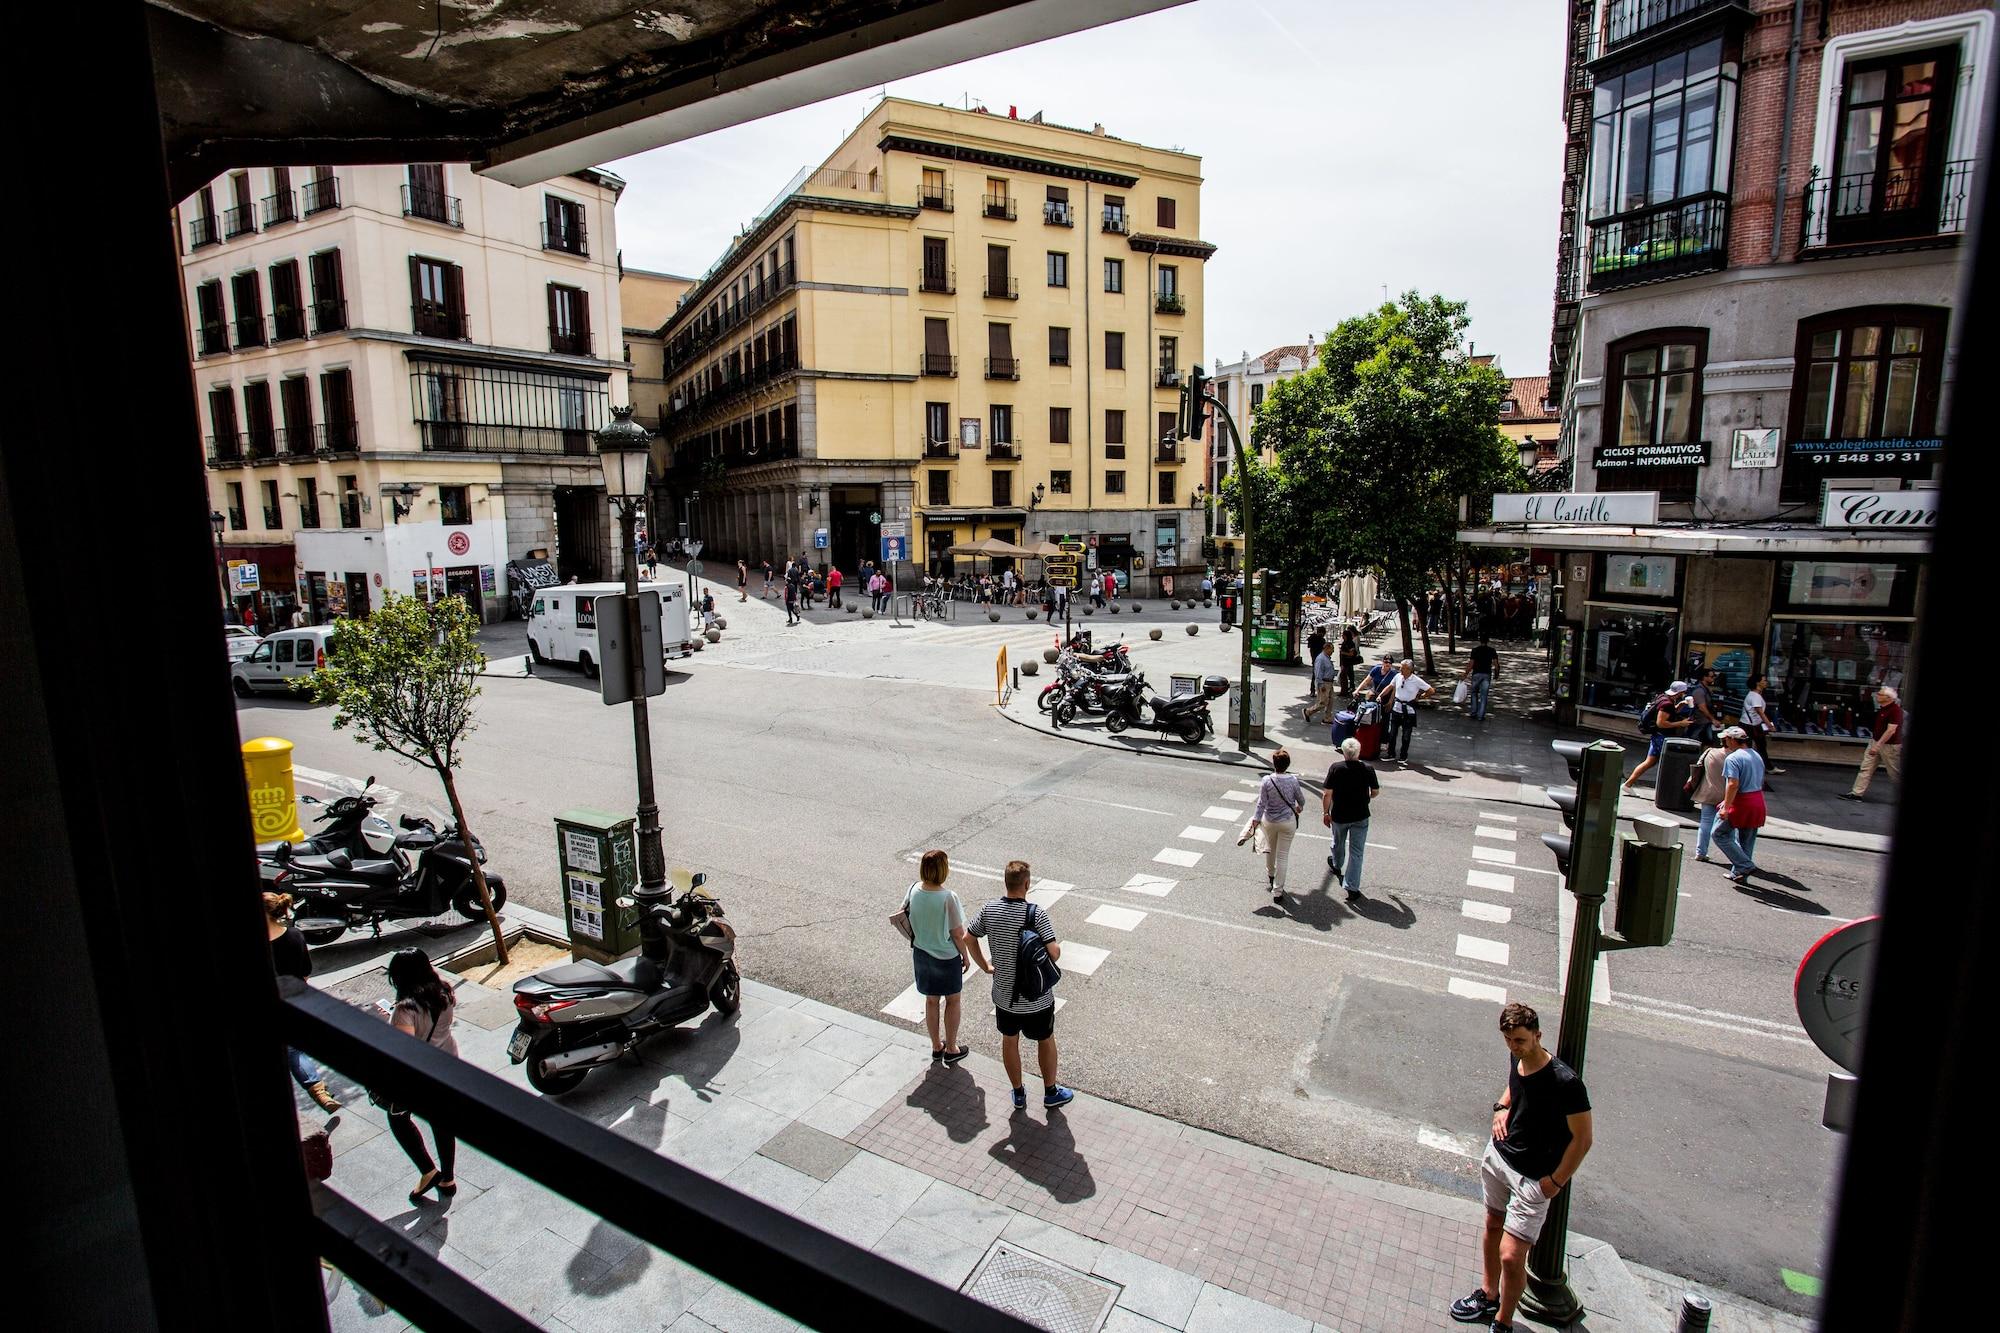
(1695, 1311)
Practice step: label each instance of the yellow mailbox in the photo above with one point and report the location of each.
(274, 803)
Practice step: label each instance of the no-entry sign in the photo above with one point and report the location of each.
(1831, 989)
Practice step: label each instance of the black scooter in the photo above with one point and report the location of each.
(1133, 705)
(427, 874)
(350, 826)
(580, 1015)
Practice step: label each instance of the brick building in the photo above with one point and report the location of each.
(1759, 259)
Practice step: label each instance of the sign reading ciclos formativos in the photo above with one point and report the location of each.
(1615, 507)
(1611, 456)
(1879, 509)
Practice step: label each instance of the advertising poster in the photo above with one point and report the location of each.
(1647, 575)
(585, 891)
(581, 851)
(486, 579)
(1826, 583)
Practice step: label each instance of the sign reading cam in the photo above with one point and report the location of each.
(1879, 509)
(1618, 507)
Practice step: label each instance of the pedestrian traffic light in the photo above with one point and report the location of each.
(1590, 812)
(1189, 426)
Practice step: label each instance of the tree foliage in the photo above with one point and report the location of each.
(404, 680)
(1375, 445)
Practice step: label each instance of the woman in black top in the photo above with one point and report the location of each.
(1350, 659)
(290, 958)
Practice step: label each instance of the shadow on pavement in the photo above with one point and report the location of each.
(952, 1097)
(1391, 911)
(1771, 896)
(1046, 1155)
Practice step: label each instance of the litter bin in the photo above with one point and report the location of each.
(599, 862)
(1677, 758)
(1272, 643)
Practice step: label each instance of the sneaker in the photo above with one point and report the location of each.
(1474, 1309)
(1354, 895)
(1058, 1096)
(1774, 770)
(951, 1058)
(1704, 858)
(1849, 796)
(937, 1054)
(1499, 1327)
(1020, 1099)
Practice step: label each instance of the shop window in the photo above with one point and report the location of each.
(1652, 435)
(1629, 657)
(1824, 673)
(1628, 577)
(1864, 397)
(1845, 587)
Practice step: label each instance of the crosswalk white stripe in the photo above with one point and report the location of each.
(1479, 911)
(1118, 918)
(1504, 819)
(1247, 797)
(1497, 855)
(1497, 834)
(1201, 833)
(1221, 812)
(908, 1006)
(1477, 990)
(1486, 879)
(1084, 958)
(1483, 950)
(1443, 1142)
(1177, 856)
(1151, 885)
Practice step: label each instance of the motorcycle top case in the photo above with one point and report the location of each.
(1214, 687)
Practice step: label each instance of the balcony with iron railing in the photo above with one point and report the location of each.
(1003, 451)
(1003, 287)
(226, 448)
(288, 324)
(437, 321)
(570, 342)
(239, 221)
(261, 444)
(468, 437)
(1114, 220)
(328, 317)
(941, 280)
(1169, 303)
(1868, 212)
(940, 449)
(1057, 214)
(320, 195)
(1169, 451)
(273, 518)
(280, 207)
(420, 201)
(939, 364)
(239, 520)
(213, 338)
(935, 196)
(1668, 240)
(570, 237)
(997, 206)
(1626, 21)
(336, 437)
(1003, 367)
(249, 331)
(201, 232)
(297, 441)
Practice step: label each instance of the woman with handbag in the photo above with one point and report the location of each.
(933, 920)
(1275, 821)
(1705, 786)
(424, 1009)
(1742, 808)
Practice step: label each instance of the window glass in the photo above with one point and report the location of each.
(1114, 275)
(261, 653)
(1629, 656)
(1059, 481)
(281, 650)
(1824, 674)
(537, 608)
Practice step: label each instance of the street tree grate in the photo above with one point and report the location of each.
(1047, 1295)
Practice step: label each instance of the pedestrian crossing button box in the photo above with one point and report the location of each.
(1649, 887)
(598, 861)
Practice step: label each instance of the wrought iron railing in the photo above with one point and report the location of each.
(280, 207)
(1627, 20)
(328, 317)
(997, 206)
(1114, 220)
(436, 321)
(249, 330)
(201, 232)
(336, 437)
(320, 195)
(1057, 214)
(1169, 303)
(421, 201)
(1003, 451)
(1003, 367)
(1663, 241)
(935, 196)
(571, 342)
(288, 324)
(938, 280)
(480, 438)
(226, 448)
(570, 237)
(1003, 287)
(214, 338)
(1871, 208)
(1168, 377)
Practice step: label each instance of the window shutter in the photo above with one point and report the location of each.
(454, 286)
(937, 337)
(1058, 194)
(416, 282)
(555, 321)
(996, 263)
(581, 309)
(1000, 341)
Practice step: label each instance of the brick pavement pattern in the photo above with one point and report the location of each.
(1265, 1227)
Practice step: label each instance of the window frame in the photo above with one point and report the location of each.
(1114, 276)
(1801, 480)
(1114, 481)
(463, 509)
(1114, 359)
(1058, 268)
(1054, 358)
(1059, 424)
(1876, 222)
(1676, 482)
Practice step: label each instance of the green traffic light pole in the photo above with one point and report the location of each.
(1189, 420)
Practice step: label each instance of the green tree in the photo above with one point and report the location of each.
(404, 679)
(1381, 439)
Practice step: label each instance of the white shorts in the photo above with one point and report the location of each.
(1509, 1192)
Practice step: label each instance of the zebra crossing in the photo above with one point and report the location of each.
(1495, 868)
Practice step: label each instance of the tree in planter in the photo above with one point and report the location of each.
(404, 679)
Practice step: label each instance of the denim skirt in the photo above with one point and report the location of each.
(937, 976)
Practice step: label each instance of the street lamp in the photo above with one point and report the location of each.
(1035, 499)
(216, 521)
(812, 501)
(624, 449)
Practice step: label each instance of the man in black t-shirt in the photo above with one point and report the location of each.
(1479, 675)
(1541, 1131)
(1350, 786)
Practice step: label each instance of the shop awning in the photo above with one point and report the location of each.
(1691, 539)
(992, 546)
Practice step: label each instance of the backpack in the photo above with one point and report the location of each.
(1649, 716)
(1035, 973)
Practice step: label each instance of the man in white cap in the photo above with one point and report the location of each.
(1669, 716)
(1886, 749)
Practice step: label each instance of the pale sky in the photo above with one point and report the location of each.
(1344, 146)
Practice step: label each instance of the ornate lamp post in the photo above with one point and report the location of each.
(216, 521)
(624, 450)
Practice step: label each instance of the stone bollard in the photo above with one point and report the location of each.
(1031, 667)
(1049, 655)
(868, 613)
(1176, 604)
(1090, 610)
(1114, 608)
(1193, 630)
(1136, 608)
(713, 636)
(1153, 634)
(1032, 613)
(1695, 1311)
(993, 616)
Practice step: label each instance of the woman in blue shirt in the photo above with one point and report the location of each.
(938, 953)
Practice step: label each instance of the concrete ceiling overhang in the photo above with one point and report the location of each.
(530, 89)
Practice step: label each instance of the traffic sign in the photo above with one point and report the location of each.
(694, 567)
(896, 529)
(895, 550)
(1831, 989)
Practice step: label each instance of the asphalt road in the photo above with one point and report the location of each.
(1360, 1036)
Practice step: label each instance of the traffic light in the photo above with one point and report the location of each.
(1590, 812)
(1189, 426)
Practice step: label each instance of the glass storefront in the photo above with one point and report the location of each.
(1629, 655)
(1824, 673)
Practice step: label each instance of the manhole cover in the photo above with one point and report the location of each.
(365, 988)
(1046, 1294)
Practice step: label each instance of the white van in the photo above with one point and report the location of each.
(562, 622)
(283, 657)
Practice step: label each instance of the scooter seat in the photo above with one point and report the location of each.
(592, 974)
(333, 863)
(375, 870)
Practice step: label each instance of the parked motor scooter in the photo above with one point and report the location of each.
(428, 874)
(581, 1015)
(1132, 704)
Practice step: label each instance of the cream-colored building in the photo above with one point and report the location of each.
(649, 300)
(964, 323)
(401, 368)
(1240, 386)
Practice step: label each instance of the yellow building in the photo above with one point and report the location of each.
(648, 300)
(966, 323)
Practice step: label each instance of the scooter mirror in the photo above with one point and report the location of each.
(625, 904)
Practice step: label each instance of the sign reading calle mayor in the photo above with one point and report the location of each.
(1902, 510)
(1651, 455)
(1618, 507)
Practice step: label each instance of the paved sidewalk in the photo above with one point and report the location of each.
(843, 1121)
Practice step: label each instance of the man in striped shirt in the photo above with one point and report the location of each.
(1000, 922)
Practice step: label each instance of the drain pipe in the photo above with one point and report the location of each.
(1785, 143)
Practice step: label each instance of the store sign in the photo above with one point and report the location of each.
(1754, 448)
(1902, 449)
(1611, 457)
(243, 578)
(1902, 510)
(1620, 507)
